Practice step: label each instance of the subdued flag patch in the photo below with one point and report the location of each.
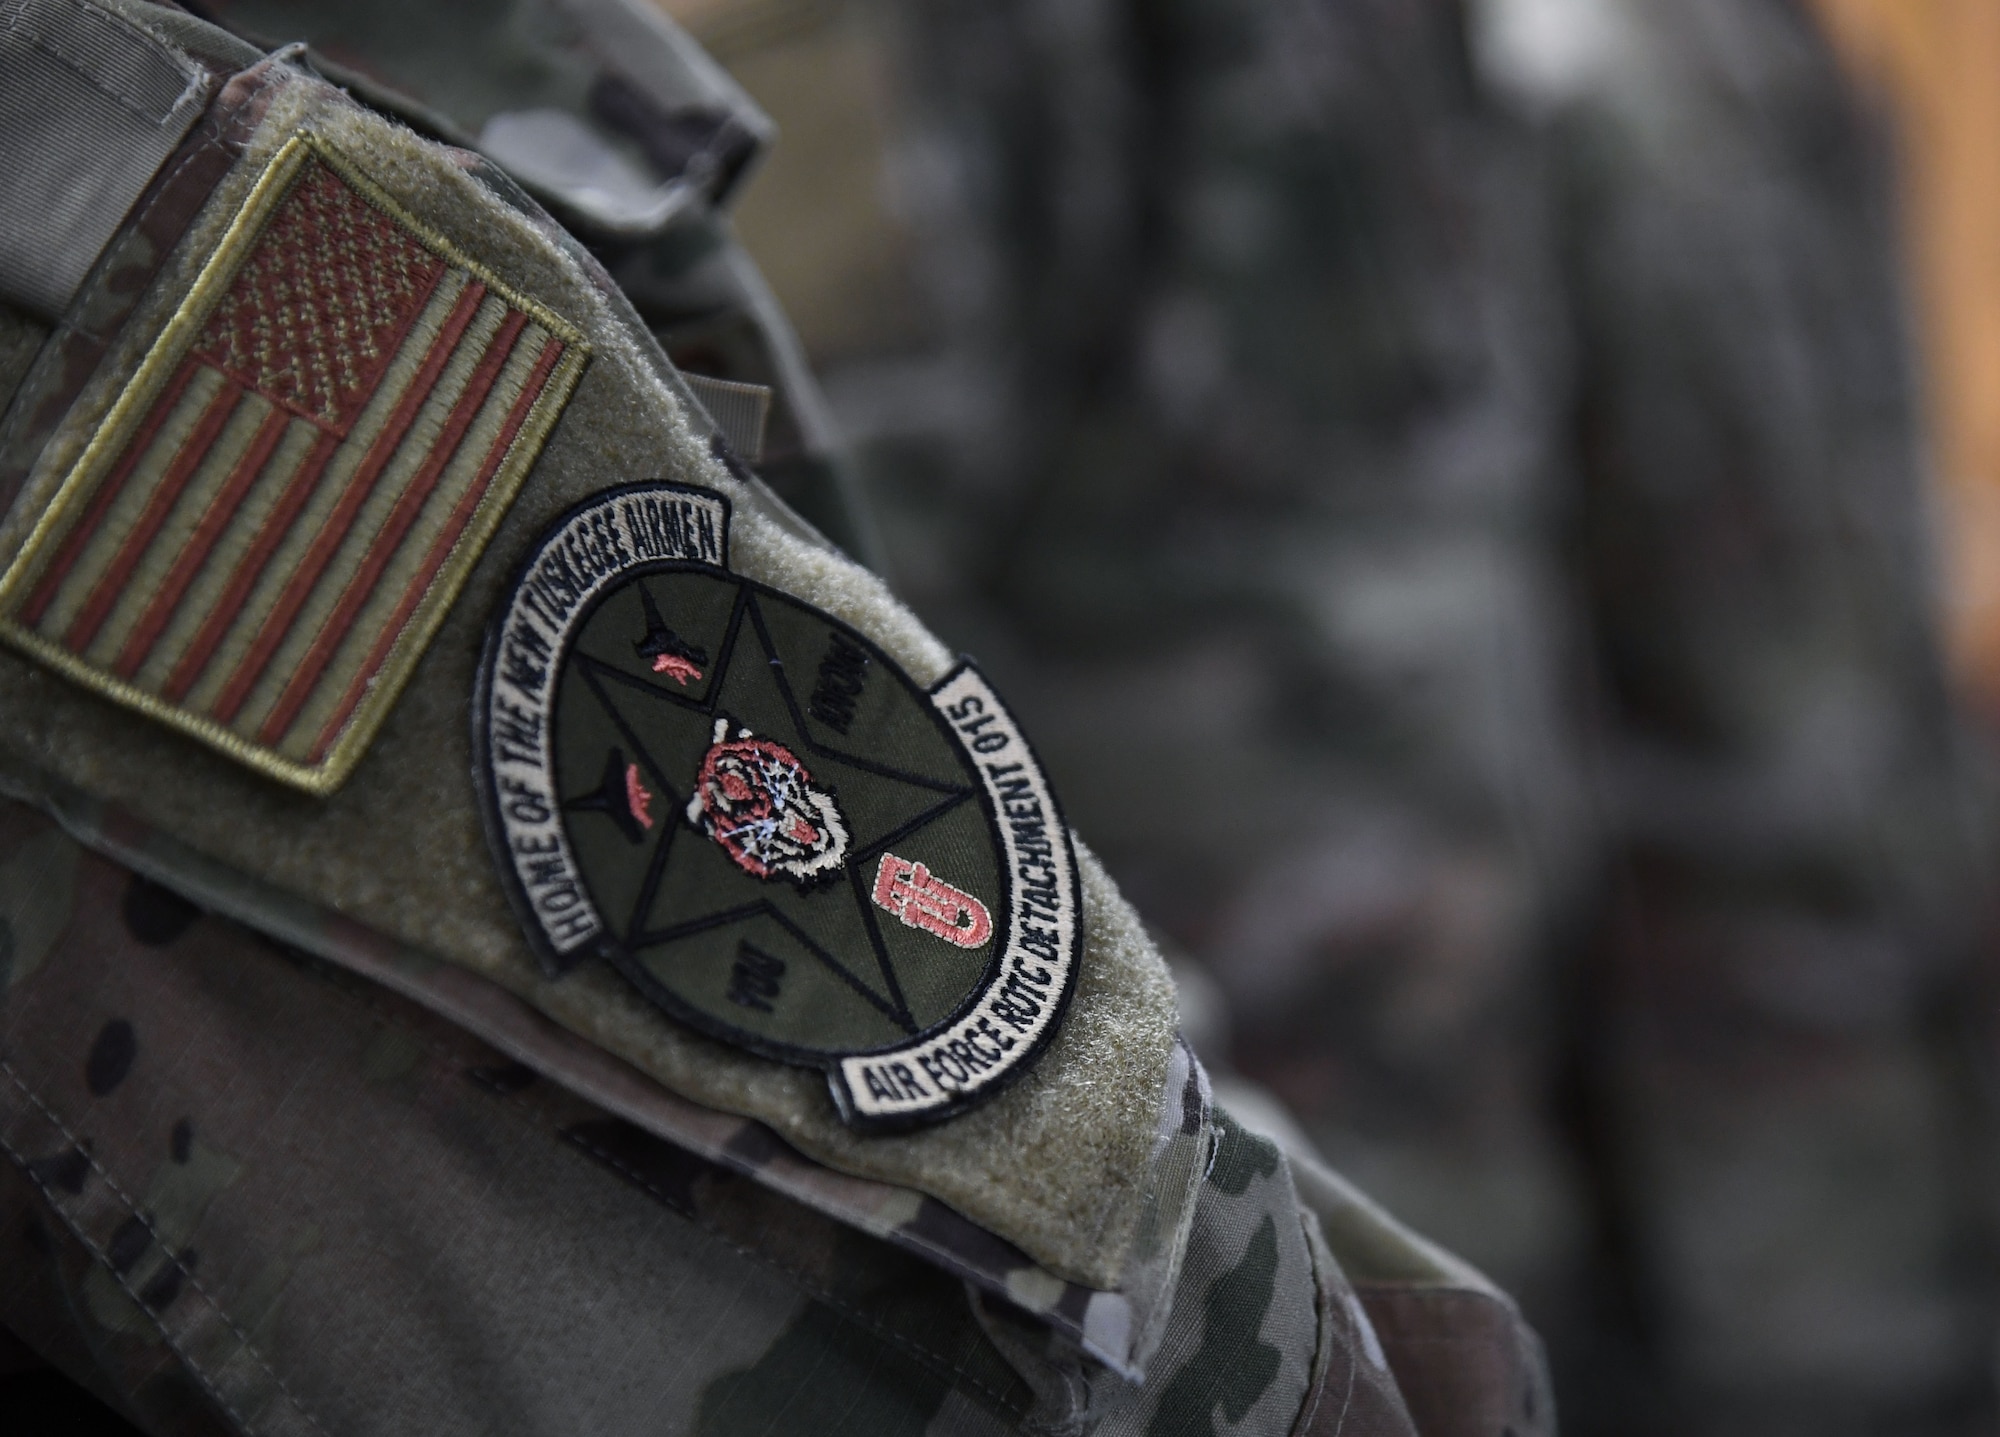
(266, 531)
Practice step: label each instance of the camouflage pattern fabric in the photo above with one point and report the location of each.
(1467, 455)
(1116, 1327)
(268, 1170)
(241, 1178)
(259, 1153)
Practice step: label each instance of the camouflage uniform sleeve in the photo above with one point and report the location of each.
(270, 1169)
(247, 1191)
(1299, 1296)
(1464, 1358)
(1266, 1333)
(225, 1155)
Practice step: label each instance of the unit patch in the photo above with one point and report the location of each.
(261, 538)
(758, 818)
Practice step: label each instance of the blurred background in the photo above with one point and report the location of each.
(1492, 511)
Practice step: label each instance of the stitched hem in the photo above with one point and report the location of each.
(1324, 1304)
(104, 1260)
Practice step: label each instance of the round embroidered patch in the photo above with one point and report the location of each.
(766, 825)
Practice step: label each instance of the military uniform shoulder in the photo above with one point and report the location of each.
(371, 579)
(336, 438)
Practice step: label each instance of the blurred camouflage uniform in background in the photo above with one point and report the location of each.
(297, 1137)
(1445, 484)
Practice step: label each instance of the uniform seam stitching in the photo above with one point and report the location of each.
(1354, 1360)
(805, 1283)
(187, 1273)
(1322, 1342)
(1324, 1304)
(103, 1260)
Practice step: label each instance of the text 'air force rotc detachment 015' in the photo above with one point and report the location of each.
(505, 927)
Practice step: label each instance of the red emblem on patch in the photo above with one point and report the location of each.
(923, 900)
(758, 802)
(671, 654)
(676, 668)
(638, 798)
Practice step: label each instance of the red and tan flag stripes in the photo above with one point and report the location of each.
(260, 540)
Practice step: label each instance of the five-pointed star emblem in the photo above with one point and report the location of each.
(667, 875)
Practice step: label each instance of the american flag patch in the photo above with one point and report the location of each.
(262, 537)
